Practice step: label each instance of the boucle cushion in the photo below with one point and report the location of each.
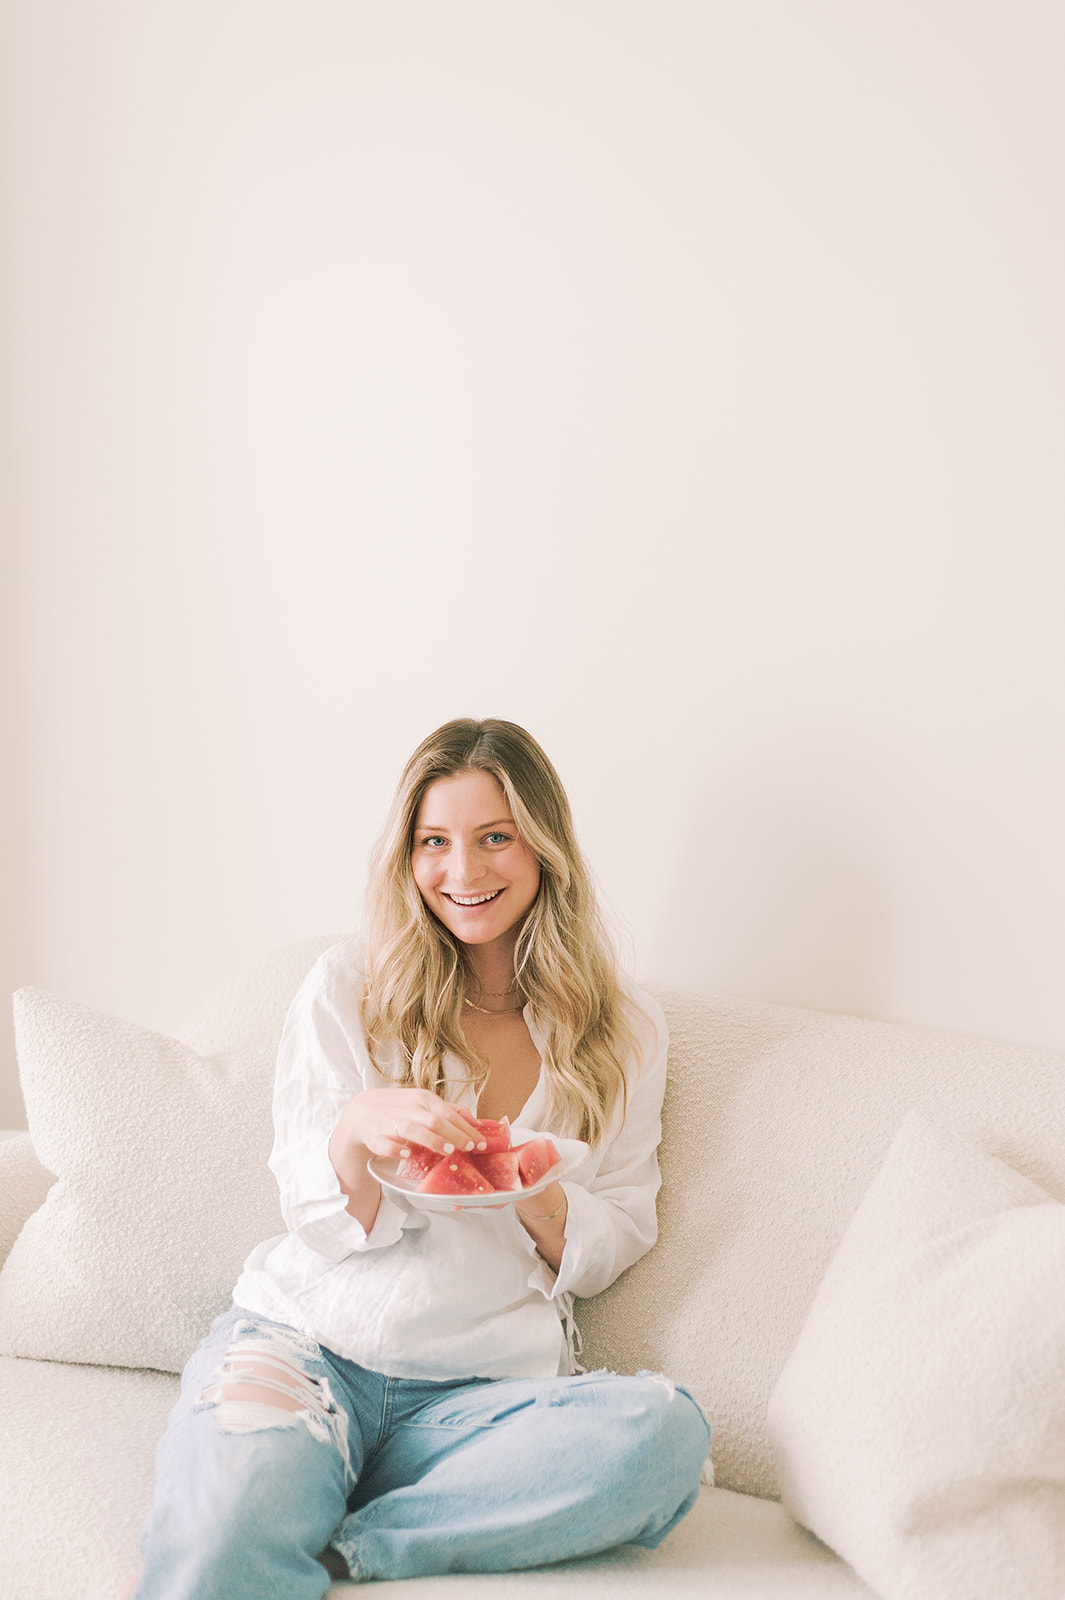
(160, 1156)
(919, 1424)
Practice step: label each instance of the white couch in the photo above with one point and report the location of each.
(873, 1319)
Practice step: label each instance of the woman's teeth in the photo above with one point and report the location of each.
(472, 899)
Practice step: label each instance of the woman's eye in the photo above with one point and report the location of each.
(434, 840)
(498, 838)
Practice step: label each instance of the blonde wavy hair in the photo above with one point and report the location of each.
(417, 975)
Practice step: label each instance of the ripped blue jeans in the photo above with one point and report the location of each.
(278, 1449)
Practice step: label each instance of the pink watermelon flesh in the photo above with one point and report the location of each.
(535, 1159)
(500, 1167)
(497, 1134)
(455, 1175)
(419, 1163)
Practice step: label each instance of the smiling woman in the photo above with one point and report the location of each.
(483, 987)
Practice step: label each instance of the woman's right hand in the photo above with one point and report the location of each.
(386, 1122)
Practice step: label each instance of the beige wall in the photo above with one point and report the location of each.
(683, 381)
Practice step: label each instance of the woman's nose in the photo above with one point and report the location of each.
(467, 864)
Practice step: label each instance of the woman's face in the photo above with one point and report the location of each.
(473, 871)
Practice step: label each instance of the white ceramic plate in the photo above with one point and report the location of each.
(571, 1153)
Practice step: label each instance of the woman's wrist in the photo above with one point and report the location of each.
(543, 1216)
(349, 1160)
(347, 1154)
(548, 1206)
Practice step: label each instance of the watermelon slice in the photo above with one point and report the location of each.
(500, 1167)
(535, 1160)
(419, 1163)
(496, 1134)
(455, 1174)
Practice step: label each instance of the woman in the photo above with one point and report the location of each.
(395, 1392)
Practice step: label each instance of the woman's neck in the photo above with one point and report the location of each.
(492, 967)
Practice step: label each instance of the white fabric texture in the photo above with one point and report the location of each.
(162, 1188)
(437, 1295)
(775, 1122)
(248, 1012)
(23, 1184)
(77, 1451)
(919, 1424)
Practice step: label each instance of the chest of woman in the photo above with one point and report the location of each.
(513, 1061)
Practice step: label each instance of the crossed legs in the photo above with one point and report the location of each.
(279, 1449)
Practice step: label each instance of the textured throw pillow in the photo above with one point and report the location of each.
(162, 1188)
(919, 1424)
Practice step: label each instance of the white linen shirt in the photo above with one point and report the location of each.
(439, 1295)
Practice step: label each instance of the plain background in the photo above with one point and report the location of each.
(682, 381)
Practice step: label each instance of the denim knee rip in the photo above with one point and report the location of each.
(672, 1389)
(268, 1360)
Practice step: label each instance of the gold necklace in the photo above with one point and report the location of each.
(505, 1011)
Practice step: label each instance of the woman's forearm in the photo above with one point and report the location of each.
(544, 1219)
(360, 1187)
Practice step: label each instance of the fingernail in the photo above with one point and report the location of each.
(469, 1144)
(404, 1152)
(449, 1149)
(483, 1145)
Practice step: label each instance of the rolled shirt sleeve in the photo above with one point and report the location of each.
(322, 1061)
(611, 1218)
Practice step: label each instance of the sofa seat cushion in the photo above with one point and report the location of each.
(77, 1460)
(77, 1464)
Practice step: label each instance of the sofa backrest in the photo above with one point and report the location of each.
(775, 1122)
